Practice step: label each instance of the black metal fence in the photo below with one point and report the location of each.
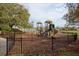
(12, 37)
(71, 36)
(10, 40)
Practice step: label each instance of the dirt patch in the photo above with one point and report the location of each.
(34, 45)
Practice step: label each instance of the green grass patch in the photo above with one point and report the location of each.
(69, 53)
(71, 31)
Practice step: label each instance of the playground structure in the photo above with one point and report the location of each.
(42, 29)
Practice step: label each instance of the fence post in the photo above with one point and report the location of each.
(75, 36)
(21, 42)
(7, 46)
(68, 34)
(52, 43)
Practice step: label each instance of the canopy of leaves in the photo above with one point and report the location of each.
(73, 12)
(13, 14)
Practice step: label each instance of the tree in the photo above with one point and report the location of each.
(13, 14)
(72, 15)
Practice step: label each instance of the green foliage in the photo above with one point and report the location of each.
(13, 14)
(5, 28)
(73, 12)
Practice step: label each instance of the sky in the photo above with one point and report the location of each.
(44, 11)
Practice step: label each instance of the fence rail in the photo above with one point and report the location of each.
(12, 37)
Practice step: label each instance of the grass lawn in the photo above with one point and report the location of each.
(71, 31)
(69, 53)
